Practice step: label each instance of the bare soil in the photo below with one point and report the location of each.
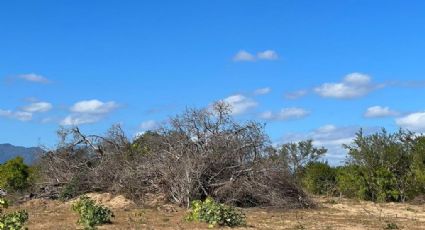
(333, 213)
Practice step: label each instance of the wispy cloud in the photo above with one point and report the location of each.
(38, 107)
(379, 111)
(262, 91)
(149, 125)
(243, 55)
(80, 119)
(297, 94)
(35, 78)
(285, 114)
(268, 55)
(18, 115)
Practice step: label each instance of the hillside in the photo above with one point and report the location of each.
(8, 151)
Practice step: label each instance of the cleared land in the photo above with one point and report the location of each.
(333, 213)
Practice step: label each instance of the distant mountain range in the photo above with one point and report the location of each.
(8, 151)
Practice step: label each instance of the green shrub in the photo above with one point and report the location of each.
(12, 221)
(214, 214)
(350, 183)
(319, 178)
(15, 175)
(91, 214)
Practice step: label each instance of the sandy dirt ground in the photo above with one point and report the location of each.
(333, 213)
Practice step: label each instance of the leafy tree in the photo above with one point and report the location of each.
(15, 175)
(298, 155)
(385, 164)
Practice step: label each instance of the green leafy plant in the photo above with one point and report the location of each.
(91, 214)
(12, 221)
(215, 214)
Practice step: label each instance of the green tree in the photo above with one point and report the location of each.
(298, 155)
(15, 175)
(384, 163)
(319, 178)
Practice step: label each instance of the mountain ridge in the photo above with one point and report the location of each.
(9, 151)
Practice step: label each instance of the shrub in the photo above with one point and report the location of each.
(91, 214)
(388, 165)
(319, 178)
(214, 214)
(12, 221)
(15, 175)
(350, 183)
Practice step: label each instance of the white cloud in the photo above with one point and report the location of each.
(32, 77)
(94, 107)
(89, 111)
(243, 55)
(18, 115)
(262, 91)
(379, 111)
(414, 122)
(286, 114)
(149, 125)
(80, 119)
(268, 55)
(38, 107)
(353, 85)
(240, 104)
(296, 94)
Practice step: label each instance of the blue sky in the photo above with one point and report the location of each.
(310, 69)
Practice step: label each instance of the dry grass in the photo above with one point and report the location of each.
(332, 214)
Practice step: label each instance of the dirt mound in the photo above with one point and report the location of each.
(109, 200)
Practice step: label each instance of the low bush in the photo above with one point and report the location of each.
(91, 214)
(12, 221)
(215, 214)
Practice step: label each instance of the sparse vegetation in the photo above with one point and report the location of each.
(215, 214)
(91, 214)
(391, 225)
(11, 221)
